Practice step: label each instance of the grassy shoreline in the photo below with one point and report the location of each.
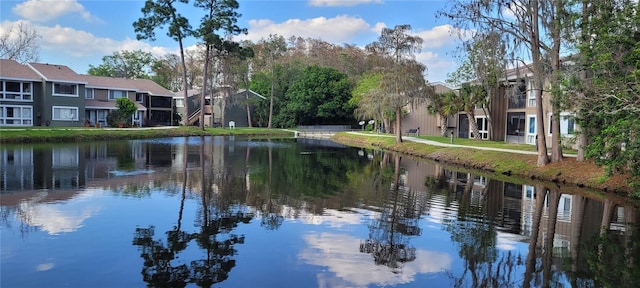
(581, 174)
(75, 134)
(576, 174)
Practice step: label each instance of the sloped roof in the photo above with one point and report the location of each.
(11, 69)
(138, 85)
(190, 93)
(153, 88)
(108, 82)
(53, 72)
(251, 92)
(517, 72)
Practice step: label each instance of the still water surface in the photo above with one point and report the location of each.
(237, 212)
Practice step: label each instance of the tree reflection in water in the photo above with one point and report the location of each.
(161, 267)
(215, 237)
(475, 233)
(389, 233)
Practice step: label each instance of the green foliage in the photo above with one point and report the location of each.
(293, 179)
(608, 91)
(160, 13)
(320, 96)
(125, 64)
(366, 97)
(126, 109)
(283, 77)
(402, 81)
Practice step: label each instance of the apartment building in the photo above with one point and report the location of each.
(39, 94)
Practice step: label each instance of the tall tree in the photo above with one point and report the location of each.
(403, 81)
(20, 43)
(238, 73)
(484, 59)
(157, 14)
(609, 93)
(472, 96)
(215, 31)
(127, 64)
(268, 53)
(166, 72)
(530, 26)
(443, 105)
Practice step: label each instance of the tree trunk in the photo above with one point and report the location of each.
(556, 137)
(204, 85)
(443, 126)
(473, 125)
(271, 98)
(249, 113)
(543, 158)
(582, 136)
(398, 124)
(582, 142)
(185, 120)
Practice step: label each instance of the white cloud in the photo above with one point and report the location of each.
(80, 43)
(48, 10)
(337, 219)
(56, 218)
(341, 3)
(510, 10)
(12, 28)
(439, 36)
(45, 266)
(437, 66)
(349, 268)
(339, 29)
(378, 27)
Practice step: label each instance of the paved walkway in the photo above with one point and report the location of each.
(434, 143)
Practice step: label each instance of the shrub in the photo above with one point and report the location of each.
(126, 108)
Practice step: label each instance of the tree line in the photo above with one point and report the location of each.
(582, 55)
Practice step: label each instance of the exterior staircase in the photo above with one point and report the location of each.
(194, 117)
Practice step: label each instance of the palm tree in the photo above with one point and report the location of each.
(444, 105)
(471, 96)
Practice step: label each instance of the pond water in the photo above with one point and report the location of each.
(241, 212)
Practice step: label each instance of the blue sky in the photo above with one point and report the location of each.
(79, 33)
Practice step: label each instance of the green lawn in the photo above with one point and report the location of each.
(66, 134)
(482, 143)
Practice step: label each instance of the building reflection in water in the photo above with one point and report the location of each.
(569, 232)
(567, 229)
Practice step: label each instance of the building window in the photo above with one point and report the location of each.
(567, 124)
(179, 103)
(65, 157)
(531, 95)
(515, 124)
(16, 115)
(15, 90)
(139, 97)
(88, 93)
(517, 100)
(115, 94)
(65, 89)
(483, 127)
(531, 131)
(65, 113)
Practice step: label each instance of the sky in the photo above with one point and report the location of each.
(79, 33)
